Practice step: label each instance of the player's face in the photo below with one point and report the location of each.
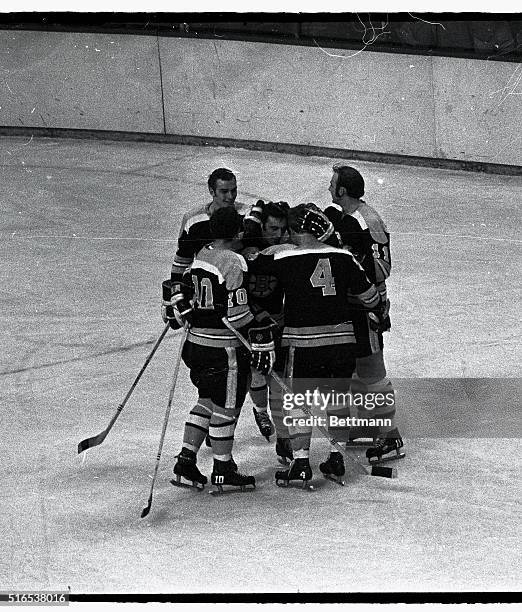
(333, 188)
(224, 194)
(273, 230)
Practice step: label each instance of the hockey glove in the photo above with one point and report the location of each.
(183, 309)
(167, 307)
(176, 309)
(379, 318)
(263, 349)
(313, 221)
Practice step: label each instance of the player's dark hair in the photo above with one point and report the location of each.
(278, 210)
(225, 223)
(351, 180)
(223, 174)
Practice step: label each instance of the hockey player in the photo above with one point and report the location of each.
(194, 233)
(195, 229)
(319, 338)
(362, 230)
(213, 287)
(265, 226)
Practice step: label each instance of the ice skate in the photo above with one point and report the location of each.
(225, 474)
(333, 468)
(386, 448)
(284, 451)
(187, 470)
(264, 424)
(299, 472)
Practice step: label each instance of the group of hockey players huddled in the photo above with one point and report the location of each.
(305, 290)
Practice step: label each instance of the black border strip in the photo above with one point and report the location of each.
(266, 598)
(273, 147)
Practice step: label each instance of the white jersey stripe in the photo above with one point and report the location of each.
(313, 251)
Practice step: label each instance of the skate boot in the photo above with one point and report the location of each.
(333, 468)
(225, 474)
(263, 422)
(299, 470)
(187, 469)
(386, 448)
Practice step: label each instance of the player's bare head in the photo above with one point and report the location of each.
(346, 181)
(274, 221)
(222, 187)
(225, 224)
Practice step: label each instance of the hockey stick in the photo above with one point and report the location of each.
(146, 510)
(376, 470)
(96, 440)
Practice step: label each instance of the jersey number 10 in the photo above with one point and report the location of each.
(203, 295)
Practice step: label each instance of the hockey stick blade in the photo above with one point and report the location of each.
(94, 441)
(146, 510)
(98, 439)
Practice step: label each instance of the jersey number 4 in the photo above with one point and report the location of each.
(323, 277)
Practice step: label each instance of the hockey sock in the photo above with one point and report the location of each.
(276, 410)
(300, 435)
(196, 426)
(259, 392)
(222, 426)
(378, 403)
(337, 421)
(372, 381)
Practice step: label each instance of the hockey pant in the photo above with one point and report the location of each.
(221, 376)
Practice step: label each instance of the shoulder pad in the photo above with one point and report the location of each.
(278, 248)
(192, 217)
(370, 218)
(333, 207)
(232, 266)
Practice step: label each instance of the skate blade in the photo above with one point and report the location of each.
(337, 479)
(399, 455)
(221, 490)
(177, 482)
(295, 484)
(360, 442)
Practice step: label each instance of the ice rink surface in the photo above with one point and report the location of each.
(88, 232)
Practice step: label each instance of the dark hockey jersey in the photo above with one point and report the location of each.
(218, 279)
(264, 292)
(320, 285)
(364, 233)
(194, 234)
